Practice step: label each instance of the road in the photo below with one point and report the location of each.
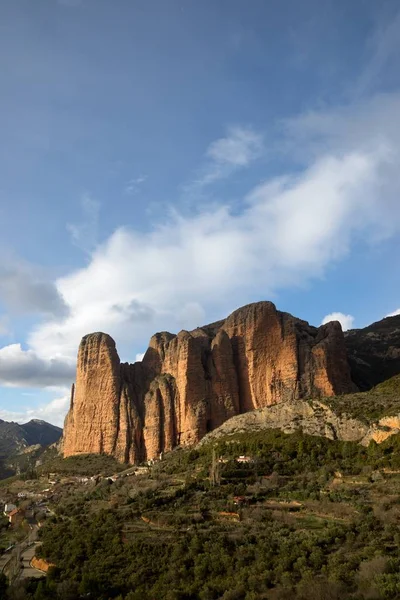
(23, 552)
(26, 557)
(4, 560)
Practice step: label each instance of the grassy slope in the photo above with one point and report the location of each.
(383, 400)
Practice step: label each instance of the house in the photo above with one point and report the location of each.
(16, 516)
(240, 500)
(244, 459)
(141, 470)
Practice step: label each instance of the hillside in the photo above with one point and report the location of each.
(261, 515)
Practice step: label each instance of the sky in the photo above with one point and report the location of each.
(163, 163)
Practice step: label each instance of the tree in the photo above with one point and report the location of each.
(215, 471)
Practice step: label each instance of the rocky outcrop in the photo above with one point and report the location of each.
(374, 352)
(189, 384)
(311, 417)
(382, 430)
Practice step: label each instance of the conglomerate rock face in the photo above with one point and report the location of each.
(189, 384)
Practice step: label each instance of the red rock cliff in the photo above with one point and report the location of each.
(190, 383)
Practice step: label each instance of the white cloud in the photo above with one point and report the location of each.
(52, 412)
(346, 321)
(84, 234)
(139, 357)
(394, 313)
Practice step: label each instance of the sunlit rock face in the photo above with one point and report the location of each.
(189, 384)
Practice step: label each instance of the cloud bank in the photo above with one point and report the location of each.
(20, 367)
(200, 266)
(23, 289)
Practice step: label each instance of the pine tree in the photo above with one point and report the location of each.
(215, 474)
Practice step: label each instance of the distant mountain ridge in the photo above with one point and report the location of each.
(15, 438)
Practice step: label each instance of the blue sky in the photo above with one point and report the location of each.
(164, 162)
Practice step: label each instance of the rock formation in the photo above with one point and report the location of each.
(374, 352)
(189, 384)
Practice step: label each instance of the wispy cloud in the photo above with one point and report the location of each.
(237, 150)
(84, 234)
(5, 328)
(394, 313)
(385, 51)
(133, 185)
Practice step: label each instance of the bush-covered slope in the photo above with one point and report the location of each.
(383, 400)
(304, 518)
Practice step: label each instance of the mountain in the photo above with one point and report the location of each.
(15, 438)
(41, 432)
(189, 384)
(374, 352)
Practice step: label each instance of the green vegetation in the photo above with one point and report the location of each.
(305, 519)
(383, 400)
(84, 464)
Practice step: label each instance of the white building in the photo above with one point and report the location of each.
(9, 508)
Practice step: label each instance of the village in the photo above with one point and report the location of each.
(26, 504)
